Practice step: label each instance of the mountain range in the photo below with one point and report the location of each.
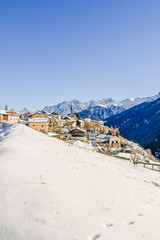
(98, 110)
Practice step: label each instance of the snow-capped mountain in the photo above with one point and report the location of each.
(101, 112)
(64, 107)
(25, 110)
(100, 109)
(131, 102)
(140, 124)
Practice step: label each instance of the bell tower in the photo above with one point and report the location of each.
(71, 111)
(6, 107)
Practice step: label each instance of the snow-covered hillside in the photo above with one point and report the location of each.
(85, 195)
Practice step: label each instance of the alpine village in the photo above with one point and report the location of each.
(84, 133)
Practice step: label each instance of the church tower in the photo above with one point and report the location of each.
(6, 107)
(71, 111)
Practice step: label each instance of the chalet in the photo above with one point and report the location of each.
(78, 133)
(111, 141)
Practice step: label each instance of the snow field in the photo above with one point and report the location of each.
(53, 190)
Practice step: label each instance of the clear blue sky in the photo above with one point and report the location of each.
(55, 50)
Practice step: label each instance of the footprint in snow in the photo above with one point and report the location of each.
(140, 214)
(130, 223)
(94, 237)
(57, 213)
(108, 225)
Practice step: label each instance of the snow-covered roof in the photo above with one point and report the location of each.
(71, 120)
(104, 140)
(64, 130)
(77, 128)
(81, 120)
(37, 120)
(66, 116)
(3, 112)
(54, 113)
(110, 136)
(52, 134)
(101, 135)
(41, 113)
(87, 119)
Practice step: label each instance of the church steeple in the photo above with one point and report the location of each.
(71, 111)
(6, 107)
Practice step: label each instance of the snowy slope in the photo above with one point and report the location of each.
(86, 195)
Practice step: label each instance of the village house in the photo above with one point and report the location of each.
(100, 137)
(114, 132)
(3, 115)
(80, 123)
(101, 129)
(97, 126)
(9, 115)
(39, 124)
(25, 116)
(37, 115)
(111, 141)
(13, 116)
(79, 120)
(78, 133)
(69, 122)
(55, 115)
(66, 117)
